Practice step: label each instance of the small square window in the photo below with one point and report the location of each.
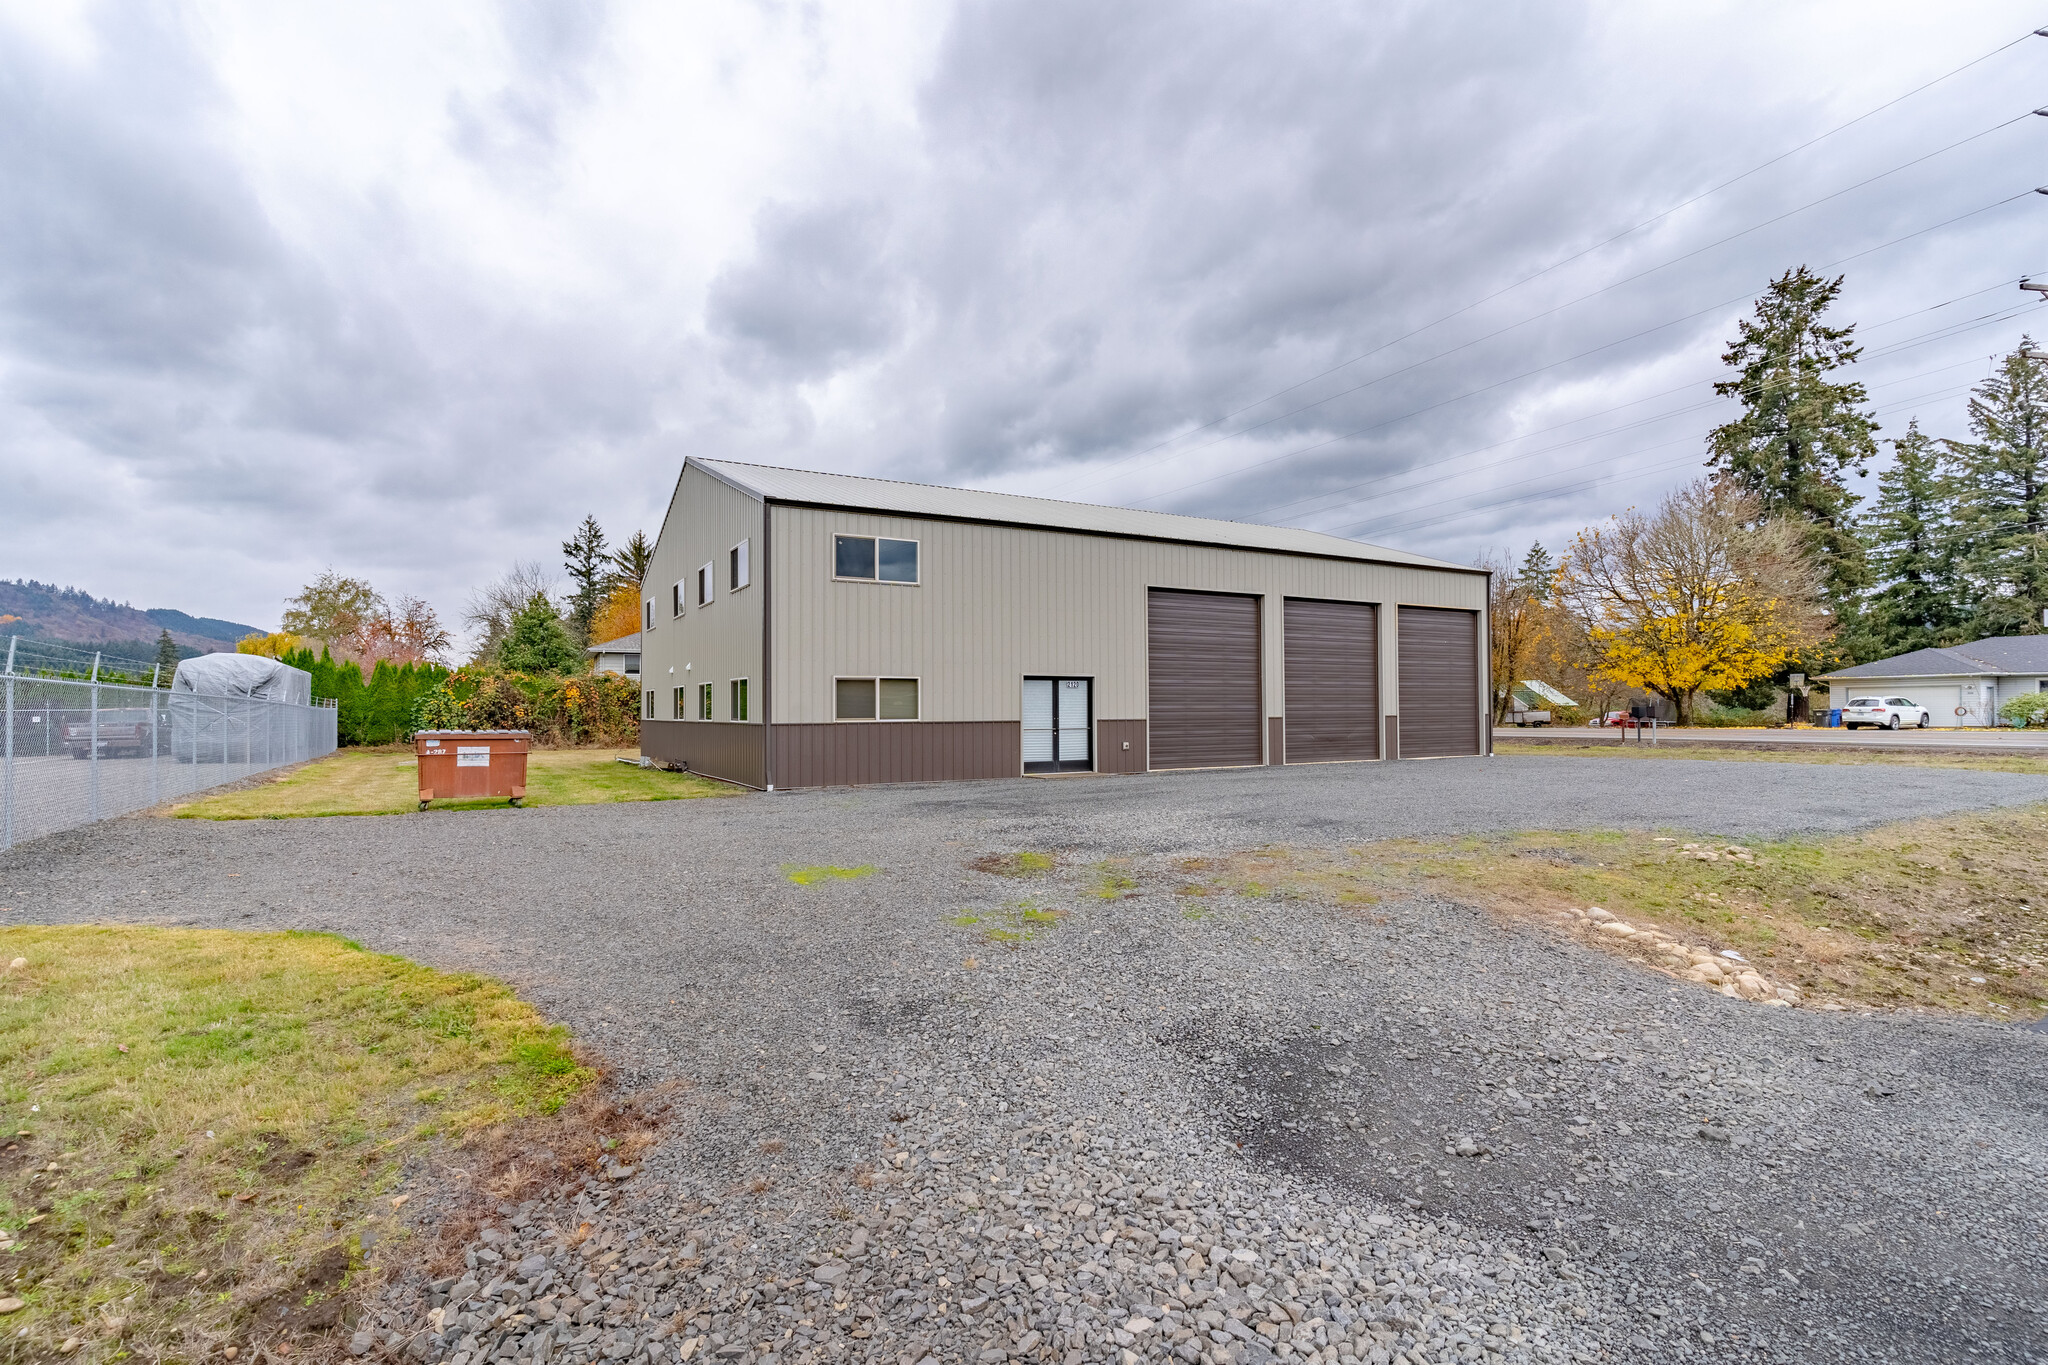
(854, 699)
(898, 698)
(703, 701)
(739, 698)
(853, 556)
(678, 708)
(896, 560)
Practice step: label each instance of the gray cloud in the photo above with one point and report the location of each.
(418, 323)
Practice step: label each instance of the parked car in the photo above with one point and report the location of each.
(126, 731)
(1889, 712)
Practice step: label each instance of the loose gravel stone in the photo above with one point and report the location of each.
(1161, 1126)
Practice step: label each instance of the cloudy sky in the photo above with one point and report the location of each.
(407, 289)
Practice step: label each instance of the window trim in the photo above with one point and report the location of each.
(838, 577)
(741, 559)
(705, 699)
(877, 679)
(739, 698)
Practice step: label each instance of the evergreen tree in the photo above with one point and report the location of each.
(631, 561)
(1910, 535)
(1538, 570)
(536, 642)
(166, 658)
(2002, 496)
(1800, 433)
(589, 568)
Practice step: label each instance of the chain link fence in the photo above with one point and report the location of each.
(78, 750)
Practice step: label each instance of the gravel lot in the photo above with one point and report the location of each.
(1166, 1126)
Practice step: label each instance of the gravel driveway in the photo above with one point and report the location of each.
(1159, 1126)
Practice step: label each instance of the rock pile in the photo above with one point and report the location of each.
(1725, 971)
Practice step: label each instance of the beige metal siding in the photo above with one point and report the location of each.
(714, 643)
(997, 603)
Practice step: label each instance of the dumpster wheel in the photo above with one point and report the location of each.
(423, 805)
(517, 799)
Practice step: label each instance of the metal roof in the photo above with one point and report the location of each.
(966, 504)
(2002, 654)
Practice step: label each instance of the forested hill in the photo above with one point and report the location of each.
(46, 611)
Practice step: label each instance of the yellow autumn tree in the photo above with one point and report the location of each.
(617, 615)
(1706, 593)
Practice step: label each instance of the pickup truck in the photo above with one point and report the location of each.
(121, 732)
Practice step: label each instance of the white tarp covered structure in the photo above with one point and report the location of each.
(237, 708)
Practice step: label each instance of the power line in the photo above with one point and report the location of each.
(1567, 260)
(1604, 478)
(1566, 360)
(1864, 329)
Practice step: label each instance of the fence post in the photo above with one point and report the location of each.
(95, 756)
(7, 824)
(155, 795)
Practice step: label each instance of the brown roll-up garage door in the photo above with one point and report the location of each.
(1333, 694)
(1204, 661)
(1439, 682)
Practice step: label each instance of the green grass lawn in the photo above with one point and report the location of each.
(202, 1128)
(386, 782)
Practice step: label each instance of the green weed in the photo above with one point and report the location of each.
(811, 876)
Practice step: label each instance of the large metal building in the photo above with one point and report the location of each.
(803, 630)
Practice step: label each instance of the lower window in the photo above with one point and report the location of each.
(703, 701)
(739, 698)
(647, 712)
(874, 698)
(677, 707)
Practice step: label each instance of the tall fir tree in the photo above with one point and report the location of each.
(2002, 497)
(537, 643)
(631, 561)
(166, 658)
(1910, 534)
(1539, 569)
(1801, 433)
(590, 567)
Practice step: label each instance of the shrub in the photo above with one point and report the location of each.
(600, 708)
(1728, 717)
(2028, 708)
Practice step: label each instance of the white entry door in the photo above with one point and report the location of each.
(1059, 725)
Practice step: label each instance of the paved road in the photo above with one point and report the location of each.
(1909, 741)
(1881, 1196)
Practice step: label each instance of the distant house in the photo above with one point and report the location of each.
(1959, 684)
(617, 656)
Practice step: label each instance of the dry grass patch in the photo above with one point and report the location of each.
(385, 781)
(1949, 912)
(1025, 863)
(202, 1126)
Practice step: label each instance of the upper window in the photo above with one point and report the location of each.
(675, 599)
(649, 606)
(874, 698)
(742, 570)
(707, 586)
(874, 558)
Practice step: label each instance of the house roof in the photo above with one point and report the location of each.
(1998, 655)
(625, 644)
(769, 483)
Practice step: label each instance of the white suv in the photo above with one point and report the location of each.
(1890, 712)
